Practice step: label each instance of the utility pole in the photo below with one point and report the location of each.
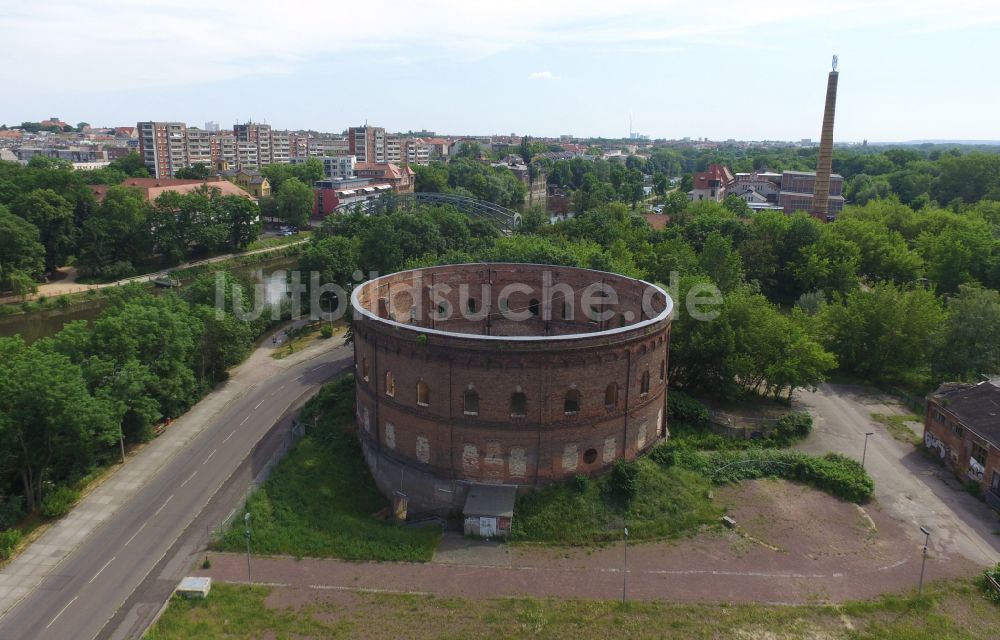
(246, 534)
(864, 451)
(625, 570)
(923, 562)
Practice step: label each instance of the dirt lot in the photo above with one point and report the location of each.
(793, 545)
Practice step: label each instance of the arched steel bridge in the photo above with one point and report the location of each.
(506, 219)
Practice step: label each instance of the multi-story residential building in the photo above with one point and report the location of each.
(418, 151)
(328, 146)
(254, 147)
(962, 427)
(797, 189)
(367, 144)
(199, 144)
(280, 147)
(223, 151)
(711, 184)
(163, 147)
(395, 149)
(339, 167)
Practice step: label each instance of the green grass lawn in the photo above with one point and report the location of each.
(897, 426)
(949, 611)
(277, 241)
(320, 499)
(667, 502)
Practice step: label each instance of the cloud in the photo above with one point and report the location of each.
(541, 75)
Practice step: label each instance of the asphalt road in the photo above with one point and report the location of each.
(92, 585)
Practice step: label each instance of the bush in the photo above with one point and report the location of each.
(833, 473)
(11, 511)
(326, 331)
(8, 542)
(991, 594)
(578, 483)
(793, 426)
(682, 407)
(59, 501)
(624, 480)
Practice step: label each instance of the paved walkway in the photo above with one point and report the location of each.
(39, 559)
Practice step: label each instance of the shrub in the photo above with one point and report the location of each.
(682, 407)
(326, 331)
(578, 483)
(624, 479)
(8, 542)
(793, 426)
(833, 473)
(59, 501)
(11, 511)
(984, 582)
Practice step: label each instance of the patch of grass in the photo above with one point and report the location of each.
(897, 426)
(320, 498)
(667, 502)
(949, 611)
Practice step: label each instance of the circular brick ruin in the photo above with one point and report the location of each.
(505, 373)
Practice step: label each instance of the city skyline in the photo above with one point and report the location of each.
(458, 69)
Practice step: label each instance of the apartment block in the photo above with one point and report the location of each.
(328, 146)
(163, 147)
(367, 144)
(199, 145)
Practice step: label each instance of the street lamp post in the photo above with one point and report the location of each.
(625, 569)
(923, 562)
(246, 534)
(864, 451)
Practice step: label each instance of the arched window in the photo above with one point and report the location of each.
(663, 370)
(571, 405)
(611, 396)
(423, 394)
(533, 307)
(518, 405)
(471, 403)
(644, 388)
(471, 304)
(390, 384)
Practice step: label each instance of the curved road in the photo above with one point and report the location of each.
(89, 587)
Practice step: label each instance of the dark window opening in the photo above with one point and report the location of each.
(518, 405)
(590, 456)
(423, 393)
(471, 403)
(572, 403)
(533, 307)
(471, 305)
(611, 396)
(644, 388)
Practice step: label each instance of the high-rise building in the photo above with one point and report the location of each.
(211, 126)
(367, 144)
(199, 146)
(163, 147)
(254, 145)
(824, 166)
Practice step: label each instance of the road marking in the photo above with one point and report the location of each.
(193, 473)
(317, 368)
(230, 435)
(135, 534)
(163, 505)
(258, 405)
(102, 569)
(210, 456)
(245, 419)
(51, 622)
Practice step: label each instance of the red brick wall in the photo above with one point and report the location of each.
(544, 445)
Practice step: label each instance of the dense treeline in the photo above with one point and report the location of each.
(468, 177)
(49, 218)
(66, 400)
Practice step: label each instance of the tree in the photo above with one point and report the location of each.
(131, 165)
(882, 330)
(431, 178)
(970, 337)
(294, 203)
(720, 262)
(53, 216)
(197, 171)
(533, 220)
(50, 425)
(21, 252)
(118, 232)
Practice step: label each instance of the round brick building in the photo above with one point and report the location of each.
(505, 373)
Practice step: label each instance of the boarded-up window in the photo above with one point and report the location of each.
(518, 405)
(390, 384)
(644, 386)
(611, 396)
(423, 394)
